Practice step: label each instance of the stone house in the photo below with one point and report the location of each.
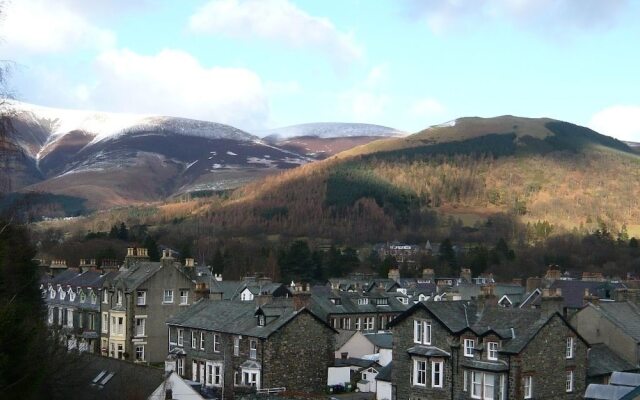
(460, 350)
(236, 347)
(137, 302)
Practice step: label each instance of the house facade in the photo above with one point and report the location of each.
(460, 350)
(138, 301)
(239, 347)
(72, 299)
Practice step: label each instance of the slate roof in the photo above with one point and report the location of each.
(606, 392)
(385, 373)
(494, 366)
(573, 291)
(625, 379)
(516, 326)
(348, 303)
(229, 289)
(604, 361)
(382, 340)
(343, 337)
(133, 277)
(236, 317)
(356, 362)
(624, 315)
(129, 380)
(428, 351)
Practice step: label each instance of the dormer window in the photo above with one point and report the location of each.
(119, 299)
(83, 297)
(336, 300)
(469, 345)
(52, 293)
(94, 298)
(72, 295)
(261, 320)
(62, 294)
(382, 301)
(105, 296)
(363, 301)
(403, 300)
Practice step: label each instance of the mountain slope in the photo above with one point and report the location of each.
(117, 159)
(529, 169)
(322, 140)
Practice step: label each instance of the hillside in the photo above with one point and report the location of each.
(109, 159)
(469, 169)
(322, 140)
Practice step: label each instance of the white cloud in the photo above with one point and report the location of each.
(426, 108)
(174, 83)
(367, 101)
(39, 26)
(277, 20)
(556, 15)
(620, 121)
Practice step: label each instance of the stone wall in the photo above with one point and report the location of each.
(544, 358)
(403, 364)
(298, 355)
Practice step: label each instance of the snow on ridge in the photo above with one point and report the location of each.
(446, 124)
(108, 125)
(327, 130)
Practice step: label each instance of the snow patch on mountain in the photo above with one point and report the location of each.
(325, 130)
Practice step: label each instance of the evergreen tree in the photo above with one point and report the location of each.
(152, 248)
(23, 334)
(217, 264)
(123, 232)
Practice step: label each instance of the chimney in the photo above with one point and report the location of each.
(301, 297)
(589, 298)
(130, 251)
(552, 301)
(465, 275)
(189, 262)
(262, 299)
(533, 284)
(167, 257)
(394, 273)
(428, 274)
(201, 291)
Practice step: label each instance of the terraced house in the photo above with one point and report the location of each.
(136, 303)
(73, 305)
(461, 350)
(360, 311)
(237, 347)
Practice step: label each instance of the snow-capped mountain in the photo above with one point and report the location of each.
(326, 130)
(113, 159)
(323, 139)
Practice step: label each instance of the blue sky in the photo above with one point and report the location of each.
(259, 64)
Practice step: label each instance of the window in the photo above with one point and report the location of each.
(140, 353)
(345, 323)
(209, 374)
(492, 350)
(72, 295)
(141, 298)
(363, 301)
(120, 325)
(253, 349)
(217, 375)
(201, 340)
(465, 380)
(437, 372)
(569, 381)
(469, 344)
(105, 322)
(62, 294)
(168, 296)
(50, 316)
(69, 318)
(92, 322)
(483, 386)
(180, 366)
(420, 372)
(80, 320)
(528, 387)
(105, 296)
(368, 323)
(236, 346)
(422, 332)
(261, 320)
(94, 298)
(569, 348)
(358, 324)
(180, 337)
(119, 298)
(83, 297)
(140, 326)
(184, 296)
(52, 293)
(194, 340)
(121, 351)
(216, 343)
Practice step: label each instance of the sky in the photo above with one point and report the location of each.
(260, 64)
